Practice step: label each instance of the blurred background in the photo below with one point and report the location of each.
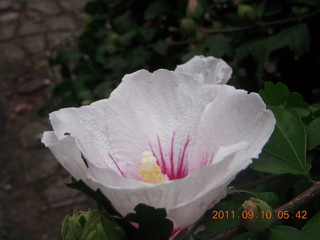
(61, 53)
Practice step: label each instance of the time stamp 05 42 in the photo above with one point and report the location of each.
(262, 214)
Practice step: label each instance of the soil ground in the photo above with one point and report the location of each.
(33, 197)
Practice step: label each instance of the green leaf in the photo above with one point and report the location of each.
(296, 38)
(259, 9)
(157, 9)
(250, 236)
(314, 113)
(279, 94)
(219, 45)
(274, 95)
(282, 232)
(272, 9)
(285, 151)
(311, 228)
(242, 51)
(295, 100)
(313, 133)
(161, 47)
(65, 227)
(146, 34)
(72, 226)
(91, 225)
(137, 56)
(98, 227)
(193, 52)
(85, 95)
(124, 22)
(153, 223)
(315, 108)
(267, 196)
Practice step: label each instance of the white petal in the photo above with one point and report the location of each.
(67, 153)
(233, 116)
(184, 199)
(88, 125)
(154, 111)
(213, 70)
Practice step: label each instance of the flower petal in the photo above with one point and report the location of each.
(181, 198)
(67, 153)
(88, 125)
(213, 70)
(157, 112)
(233, 116)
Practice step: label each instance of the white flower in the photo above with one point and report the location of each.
(200, 131)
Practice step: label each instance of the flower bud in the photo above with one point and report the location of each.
(115, 38)
(199, 36)
(256, 215)
(300, 10)
(194, 10)
(188, 25)
(111, 48)
(246, 12)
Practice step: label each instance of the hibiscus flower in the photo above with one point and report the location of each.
(168, 139)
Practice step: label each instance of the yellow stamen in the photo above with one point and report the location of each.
(150, 170)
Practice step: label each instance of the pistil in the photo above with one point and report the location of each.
(150, 171)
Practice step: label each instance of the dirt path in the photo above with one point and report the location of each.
(33, 198)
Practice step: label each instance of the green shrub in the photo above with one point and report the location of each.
(261, 40)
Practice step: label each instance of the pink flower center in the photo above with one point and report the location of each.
(173, 168)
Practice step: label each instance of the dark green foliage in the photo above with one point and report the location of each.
(296, 132)
(261, 40)
(282, 232)
(153, 223)
(311, 228)
(91, 225)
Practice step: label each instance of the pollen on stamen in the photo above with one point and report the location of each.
(150, 170)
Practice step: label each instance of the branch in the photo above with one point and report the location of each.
(289, 206)
(233, 232)
(260, 25)
(258, 182)
(300, 199)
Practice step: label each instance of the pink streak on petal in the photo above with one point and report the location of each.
(173, 169)
(114, 161)
(182, 171)
(172, 155)
(163, 161)
(203, 161)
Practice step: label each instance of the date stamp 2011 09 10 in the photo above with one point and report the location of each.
(219, 214)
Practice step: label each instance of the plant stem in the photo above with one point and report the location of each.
(289, 206)
(300, 199)
(230, 191)
(260, 25)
